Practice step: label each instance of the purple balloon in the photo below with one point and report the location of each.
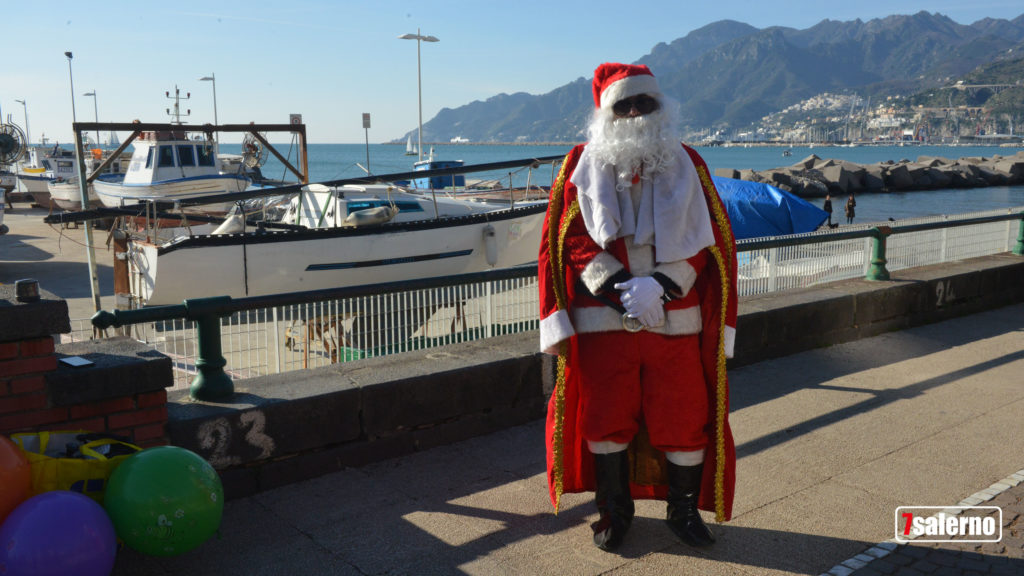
(58, 533)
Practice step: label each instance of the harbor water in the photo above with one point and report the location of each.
(329, 162)
(339, 161)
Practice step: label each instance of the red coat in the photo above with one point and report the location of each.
(566, 250)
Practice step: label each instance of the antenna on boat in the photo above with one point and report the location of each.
(177, 109)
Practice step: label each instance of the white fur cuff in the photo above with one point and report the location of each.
(680, 272)
(599, 270)
(685, 458)
(554, 329)
(730, 341)
(606, 447)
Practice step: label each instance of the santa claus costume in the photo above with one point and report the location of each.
(637, 274)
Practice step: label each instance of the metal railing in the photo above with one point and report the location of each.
(214, 340)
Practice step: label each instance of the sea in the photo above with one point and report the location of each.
(328, 162)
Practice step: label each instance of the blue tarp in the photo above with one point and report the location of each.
(757, 209)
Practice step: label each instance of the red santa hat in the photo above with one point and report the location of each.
(613, 82)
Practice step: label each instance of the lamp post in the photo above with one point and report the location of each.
(213, 79)
(83, 189)
(96, 111)
(71, 78)
(28, 135)
(419, 81)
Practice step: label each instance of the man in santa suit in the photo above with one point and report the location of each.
(637, 273)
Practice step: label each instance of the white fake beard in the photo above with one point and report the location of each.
(632, 144)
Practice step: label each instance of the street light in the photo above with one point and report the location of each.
(419, 81)
(28, 136)
(96, 110)
(212, 78)
(94, 278)
(71, 78)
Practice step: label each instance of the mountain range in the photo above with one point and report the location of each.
(729, 74)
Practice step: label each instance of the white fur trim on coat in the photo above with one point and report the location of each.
(599, 270)
(554, 329)
(680, 272)
(605, 319)
(730, 341)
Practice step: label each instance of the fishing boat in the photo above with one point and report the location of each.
(336, 236)
(65, 192)
(169, 166)
(42, 167)
(172, 165)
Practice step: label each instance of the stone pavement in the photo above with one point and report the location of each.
(953, 558)
(830, 442)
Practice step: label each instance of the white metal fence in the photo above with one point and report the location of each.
(786, 267)
(272, 340)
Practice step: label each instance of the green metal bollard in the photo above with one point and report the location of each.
(211, 383)
(877, 269)
(1018, 248)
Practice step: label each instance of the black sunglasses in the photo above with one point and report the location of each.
(643, 103)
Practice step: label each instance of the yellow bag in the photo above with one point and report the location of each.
(76, 460)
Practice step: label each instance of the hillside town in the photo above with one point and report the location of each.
(851, 119)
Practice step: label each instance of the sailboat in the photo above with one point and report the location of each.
(410, 149)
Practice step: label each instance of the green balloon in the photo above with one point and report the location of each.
(164, 501)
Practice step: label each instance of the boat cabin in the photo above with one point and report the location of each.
(163, 156)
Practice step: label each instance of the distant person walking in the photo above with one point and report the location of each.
(828, 208)
(851, 205)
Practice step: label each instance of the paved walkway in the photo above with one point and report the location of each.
(830, 443)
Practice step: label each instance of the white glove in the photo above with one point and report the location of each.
(641, 296)
(653, 316)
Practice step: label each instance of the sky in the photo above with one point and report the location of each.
(334, 60)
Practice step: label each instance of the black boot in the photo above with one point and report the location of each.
(614, 501)
(683, 517)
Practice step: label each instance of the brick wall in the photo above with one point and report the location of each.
(123, 392)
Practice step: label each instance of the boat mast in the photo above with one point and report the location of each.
(177, 108)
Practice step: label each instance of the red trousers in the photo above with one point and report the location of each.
(628, 378)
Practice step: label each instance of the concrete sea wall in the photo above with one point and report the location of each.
(288, 427)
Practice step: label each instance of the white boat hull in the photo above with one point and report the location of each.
(67, 195)
(34, 183)
(117, 194)
(319, 259)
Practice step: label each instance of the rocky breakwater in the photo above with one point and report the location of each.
(816, 177)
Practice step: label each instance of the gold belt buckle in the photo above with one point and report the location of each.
(631, 324)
